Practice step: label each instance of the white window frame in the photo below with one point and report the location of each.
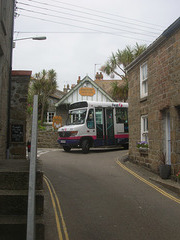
(144, 128)
(48, 116)
(143, 80)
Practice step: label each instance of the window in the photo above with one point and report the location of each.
(122, 117)
(143, 81)
(99, 123)
(99, 116)
(76, 117)
(50, 116)
(90, 119)
(144, 128)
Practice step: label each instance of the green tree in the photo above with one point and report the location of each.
(44, 84)
(116, 66)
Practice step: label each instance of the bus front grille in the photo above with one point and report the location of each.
(65, 134)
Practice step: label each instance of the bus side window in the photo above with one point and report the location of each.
(121, 115)
(90, 119)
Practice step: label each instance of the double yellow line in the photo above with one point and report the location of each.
(149, 183)
(57, 210)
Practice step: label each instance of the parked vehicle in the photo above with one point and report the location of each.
(95, 124)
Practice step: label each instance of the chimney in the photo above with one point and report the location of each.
(99, 76)
(65, 89)
(79, 79)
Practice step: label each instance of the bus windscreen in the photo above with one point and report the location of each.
(78, 105)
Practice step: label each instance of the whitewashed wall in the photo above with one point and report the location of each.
(98, 96)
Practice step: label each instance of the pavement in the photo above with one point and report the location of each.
(169, 184)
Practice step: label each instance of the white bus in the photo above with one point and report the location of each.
(95, 124)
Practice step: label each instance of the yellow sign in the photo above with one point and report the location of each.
(85, 91)
(57, 122)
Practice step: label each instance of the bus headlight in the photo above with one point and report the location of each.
(74, 133)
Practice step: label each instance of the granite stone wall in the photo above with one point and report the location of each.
(48, 139)
(5, 70)
(163, 95)
(18, 112)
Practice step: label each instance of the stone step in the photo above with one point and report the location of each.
(14, 202)
(14, 175)
(14, 227)
(13, 180)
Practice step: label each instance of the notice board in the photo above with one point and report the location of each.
(17, 133)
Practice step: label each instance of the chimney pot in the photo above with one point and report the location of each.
(79, 79)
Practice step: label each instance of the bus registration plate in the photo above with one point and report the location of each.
(63, 141)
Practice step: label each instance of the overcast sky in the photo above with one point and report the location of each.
(82, 34)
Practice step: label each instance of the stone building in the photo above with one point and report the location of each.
(18, 112)
(154, 101)
(6, 40)
(52, 100)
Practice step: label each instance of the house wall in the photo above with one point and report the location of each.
(97, 96)
(18, 113)
(163, 94)
(6, 20)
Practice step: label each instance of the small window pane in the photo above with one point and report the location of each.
(144, 128)
(90, 119)
(143, 81)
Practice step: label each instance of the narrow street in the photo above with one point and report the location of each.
(99, 199)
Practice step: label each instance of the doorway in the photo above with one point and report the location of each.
(167, 136)
(105, 126)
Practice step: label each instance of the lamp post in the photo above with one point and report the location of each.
(32, 38)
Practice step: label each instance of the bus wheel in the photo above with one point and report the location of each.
(85, 146)
(66, 148)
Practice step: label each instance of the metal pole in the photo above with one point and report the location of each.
(32, 175)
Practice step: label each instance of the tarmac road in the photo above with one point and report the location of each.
(96, 198)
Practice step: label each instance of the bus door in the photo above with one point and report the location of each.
(104, 126)
(99, 127)
(109, 126)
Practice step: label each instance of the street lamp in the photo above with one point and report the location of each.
(33, 38)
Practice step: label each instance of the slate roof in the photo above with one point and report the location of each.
(106, 85)
(80, 84)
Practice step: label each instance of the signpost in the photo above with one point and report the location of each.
(17, 133)
(85, 91)
(57, 122)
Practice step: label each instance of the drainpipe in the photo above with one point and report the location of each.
(9, 92)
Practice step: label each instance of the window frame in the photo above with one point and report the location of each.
(48, 113)
(144, 128)
(143, 81)
(90, 121)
